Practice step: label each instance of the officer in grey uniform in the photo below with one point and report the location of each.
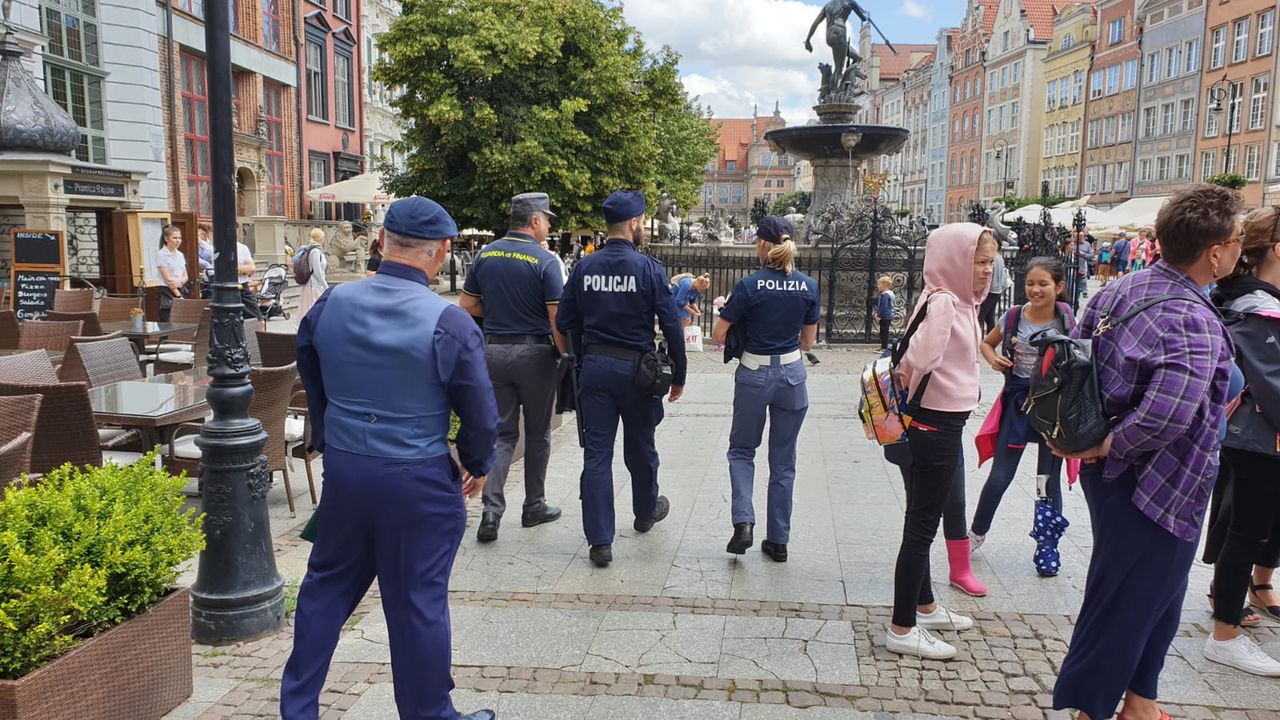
(778, 305)
(611, 301)
(515, 286)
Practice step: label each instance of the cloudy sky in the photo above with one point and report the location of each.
(738, 53)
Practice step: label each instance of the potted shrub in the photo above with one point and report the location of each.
(91, 625)
(1231, 180)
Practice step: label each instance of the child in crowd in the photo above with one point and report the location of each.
(884, 309)
(1007, 349)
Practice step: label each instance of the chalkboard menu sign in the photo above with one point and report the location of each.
(33, 292)
(38, 247)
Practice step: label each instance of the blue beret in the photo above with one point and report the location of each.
(418, 217)
(774, 229)
(623, 205)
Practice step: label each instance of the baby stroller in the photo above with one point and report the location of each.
(271, 295)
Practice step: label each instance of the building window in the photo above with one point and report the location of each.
(1153, 67)
(1148, 122)
(342, 8)
(1166, 118)
(1048, 141)
(343, 90)
(1266, 32)
(1113, 79)
(724, 194)
(1017, 72)
(73, 36)
(1004, 43)
(195, 116)
(1162, 168)
(731, 165)
(1258, 103)
(1004, 76)
(1115, 32)
(1093, 136)
(271, 25)
(273, 105)
(195, 7)
(1077, 86)
(234, 21)
(1182, 167)
(1144, 170)
(1109, 130)
(1235, 107)
(1252, 161)
(1240, 41)
(317, 86)
(1230, 159)
(1091, 180)
(1172, 61)
(1062, 139)
(1188, 113)
(1217, 47)
(1191, 55)
(1275, 159)
(1095, 84)
(737, 194)
(1075, 136)
(1067, 42)
(1105, 183)
(1051, 97)
(1130, 74)
(318, 172)
(1208, 164)
(973, 166)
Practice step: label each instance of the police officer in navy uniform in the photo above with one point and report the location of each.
(384, 361)
(778, 305)
(611, 299)
(515, 285)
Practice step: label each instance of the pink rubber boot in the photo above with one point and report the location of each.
(962, 576)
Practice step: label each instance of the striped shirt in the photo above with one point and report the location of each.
(1165, 372)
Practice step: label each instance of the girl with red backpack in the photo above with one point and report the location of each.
(1006, 432)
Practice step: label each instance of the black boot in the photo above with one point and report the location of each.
(741, 538)
(660, 511)
(488, 531)
(480, 715)
(539, 515)
(777, 551)
(602, 555)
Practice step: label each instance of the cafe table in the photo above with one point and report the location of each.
(140, 333)
(153, 405)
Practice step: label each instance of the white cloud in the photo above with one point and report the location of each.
(737, 54)
(913, 9)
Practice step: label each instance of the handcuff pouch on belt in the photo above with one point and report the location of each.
(655, 371)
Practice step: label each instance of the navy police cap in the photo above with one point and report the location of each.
(421, 218)
(623, 205)
(774, 229)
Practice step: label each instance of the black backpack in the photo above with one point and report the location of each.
(301, 265)
(1064, 402)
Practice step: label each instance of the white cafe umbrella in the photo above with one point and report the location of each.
(363, 189)
(1029, 213)
(1093, 217)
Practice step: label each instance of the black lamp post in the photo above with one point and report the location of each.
(238, 594)
(1218, 92)
(1001, 146)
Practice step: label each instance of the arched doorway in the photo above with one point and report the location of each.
(246, 193)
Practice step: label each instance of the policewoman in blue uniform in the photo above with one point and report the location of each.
(778, 307)
(611, 300)
(393, 505)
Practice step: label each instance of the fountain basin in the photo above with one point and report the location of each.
(828, 141)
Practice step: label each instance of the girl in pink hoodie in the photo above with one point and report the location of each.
(940, 372)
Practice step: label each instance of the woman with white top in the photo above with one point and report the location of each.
(316, 284)
(172, 267)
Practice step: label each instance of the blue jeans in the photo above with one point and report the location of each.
(1004, 467)
(780, 392)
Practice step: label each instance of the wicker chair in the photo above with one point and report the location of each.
(116, 308)
(183, 310)
(278, 349)
(297, 437)
(9, 332)
(100, 361)
(28, 367)
(193, 357)
(13, 457)
(48, 334)
(91, 325)
(251, 341)
(79, 300)
(18, 416)
(64, 430)
(272, 390)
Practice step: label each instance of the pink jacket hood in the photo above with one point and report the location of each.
(948, 261)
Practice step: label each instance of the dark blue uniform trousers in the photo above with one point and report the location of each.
(1132, 601)
(400, 521)
(608, 393)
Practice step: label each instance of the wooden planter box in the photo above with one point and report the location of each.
(138, 670)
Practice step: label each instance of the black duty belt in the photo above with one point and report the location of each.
(517, 339)
(612, 351)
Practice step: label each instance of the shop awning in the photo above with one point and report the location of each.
(364, 189)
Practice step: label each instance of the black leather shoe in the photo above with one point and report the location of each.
(602, 555)
(480, 715)
(741, 538)
(540, 515)
(488, 531)
(659, 512)
(774, 550)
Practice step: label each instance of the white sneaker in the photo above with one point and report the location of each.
(975, 542)
(1241, 653)
(918, 642)
(943, 619)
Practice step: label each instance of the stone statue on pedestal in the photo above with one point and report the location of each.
(839, 80)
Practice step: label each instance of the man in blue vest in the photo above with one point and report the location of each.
(384, 361)
(515, 286)
(611, 300)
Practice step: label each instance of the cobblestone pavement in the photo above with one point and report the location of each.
(676, 628)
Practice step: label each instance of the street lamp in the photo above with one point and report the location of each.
(238, 594)
(1001, 146)
(1218, 92)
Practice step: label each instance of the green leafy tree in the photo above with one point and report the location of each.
(560, 96)
(800, 200)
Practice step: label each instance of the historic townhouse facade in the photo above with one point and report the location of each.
(917, 84)
(381, 122)
(333, 104)
(1168, 104)
(967, 105)
(939, 124)
(264, 112)
(1014, 94)
(1111, 109)
(889, 104)
(1066, 68)
(1240, 39)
